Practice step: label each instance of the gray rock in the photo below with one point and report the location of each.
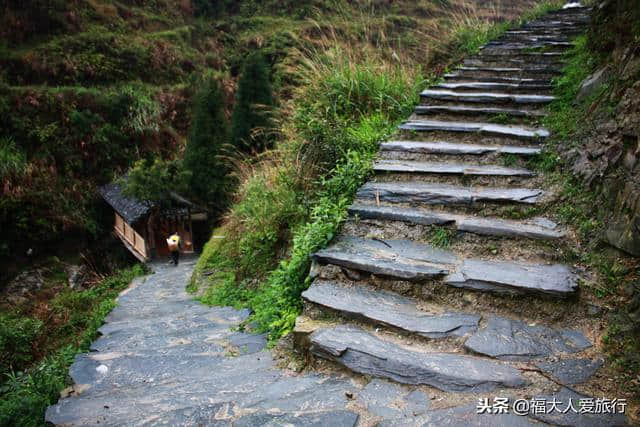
(492, 85)
(369, 355)
(455, 148)
(478, 225)
(378, 396)
(514, 340)
(475, 127)
(593, 83)
(486, 97)
(511, 277)
(320, 419)
(572, 371)
(409, 166)
(396, 258)
(572, 418)
(389, 309)
(461, 109)
(77, 276)
(461, 416)
(510, 71)
(443, 194)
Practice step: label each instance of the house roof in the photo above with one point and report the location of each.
(131, 209)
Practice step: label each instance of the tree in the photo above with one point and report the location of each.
(154, 181)
(251, 122)
(208, 180)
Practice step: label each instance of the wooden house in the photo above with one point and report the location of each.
(144, 226)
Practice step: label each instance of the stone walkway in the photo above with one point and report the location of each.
(399, 332)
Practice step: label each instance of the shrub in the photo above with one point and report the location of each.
(154, 181)
(17, 335)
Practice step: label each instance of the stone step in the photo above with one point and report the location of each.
(443, 194)
(503, 87)
(370, 355)
(383, 307)
(397, 258)
(476, 111)
(408, 260)
(457, 76)
(489, 129)
(485, 97)
(536, 229)
(492, 61)
(442, 147)
(508, 339)
(529, 37)
(500, 44)
(409, 166)
(534, 70)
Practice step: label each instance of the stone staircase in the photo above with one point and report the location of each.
(493, 311)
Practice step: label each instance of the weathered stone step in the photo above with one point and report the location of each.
(504, 87)
(529, 37)
(367, 354)
(499, 44)
(404, 259)
(535, 229)
(456, 76)
(396, 258)
(442, 147)
(485, 97)
(382, 307)
(509, 277)
(515, 340)
(534, 70)
(409, 166)
(443, 194)
(509, 131)
(491, 61)
(474, 111)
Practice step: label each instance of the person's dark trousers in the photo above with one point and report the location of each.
(175, 255)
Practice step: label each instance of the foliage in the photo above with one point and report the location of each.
(251, 125)
(25, 394)
(154, 180)
(12, 159)
(208, 180)
(17, 335)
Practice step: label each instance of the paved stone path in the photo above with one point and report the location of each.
(400, 333)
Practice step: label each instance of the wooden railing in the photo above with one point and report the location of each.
(135, 242)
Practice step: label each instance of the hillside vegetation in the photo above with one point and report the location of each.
(87, 87)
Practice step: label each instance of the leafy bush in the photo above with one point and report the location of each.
(154, 181)
(17, 335)
(12, 159)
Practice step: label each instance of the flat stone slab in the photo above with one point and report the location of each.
(395, 258)
(514, 340)
(319, 419)
(509, 277)
(409, 166)
(460, 76)
(461, 416)
(390, 309)
(442, 147)
(388, 400)
(571, 371)
(493, 86)
(369, 355)
(478, 225)
(461, 109)
(473, 127)
(569, 402)
(484, 97)
(443, 194)
(509, 70)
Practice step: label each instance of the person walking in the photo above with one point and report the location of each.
(174, 246)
